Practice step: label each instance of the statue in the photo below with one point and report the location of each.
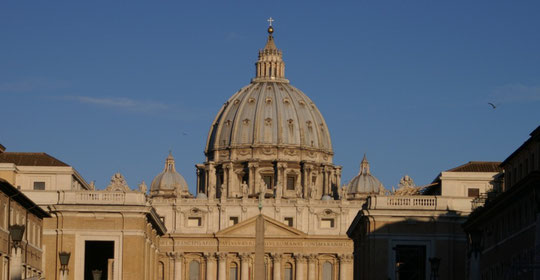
(299, 192)
(244, 189)
(92, 185)
(312, 191)
(118, 183)
(143, 187)
(222, 191)
(343, 193)
(406, 182)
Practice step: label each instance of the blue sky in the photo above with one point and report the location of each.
(111, 86)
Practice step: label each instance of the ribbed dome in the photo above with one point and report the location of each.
(269, 112)
(365, 183)
(169, 180)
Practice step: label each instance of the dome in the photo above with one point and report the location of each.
(327, 197)
(202, 195)
(269, 112)
(169, 180)
(364, 183)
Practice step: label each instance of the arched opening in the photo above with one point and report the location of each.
(194, 270)
(233, 271)
(288, 272)
(327, 271)
(161, 271)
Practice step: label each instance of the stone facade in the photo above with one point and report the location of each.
(268, 152)
(25, 260)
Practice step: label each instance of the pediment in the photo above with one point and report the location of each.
(272, 228)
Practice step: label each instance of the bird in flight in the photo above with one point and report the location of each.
(492, 105)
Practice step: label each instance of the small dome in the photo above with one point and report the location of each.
(169, 180)
(364, 183)
(326, 197)
(202, 196)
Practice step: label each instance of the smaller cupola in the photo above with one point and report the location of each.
(169, 182)
(364, 183)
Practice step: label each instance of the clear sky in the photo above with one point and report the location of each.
(111, 86)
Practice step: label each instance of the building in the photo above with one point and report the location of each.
(113, 232)
(504, 239)
(21, 228)
(415, 232)
(270, 146)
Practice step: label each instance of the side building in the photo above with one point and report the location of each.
(503, 235)
(21, 242)
(113, 232)
(415, 232)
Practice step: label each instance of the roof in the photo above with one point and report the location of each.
(478, 166)
(535, 136)
(22, 199)
(30, 159)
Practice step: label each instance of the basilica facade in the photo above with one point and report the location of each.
(268, 153)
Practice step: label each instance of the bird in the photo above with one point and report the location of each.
(492, 105)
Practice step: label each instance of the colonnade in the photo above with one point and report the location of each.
(303, 263)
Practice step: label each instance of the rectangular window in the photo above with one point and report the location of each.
(473, 192)
(39, 186)
(289, 221)
(194, 221)
(291, 180)
(233, 221)
(327, 223)
(268, 181)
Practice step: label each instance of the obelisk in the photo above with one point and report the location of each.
(259, 243)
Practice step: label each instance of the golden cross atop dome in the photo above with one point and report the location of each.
(270, 20)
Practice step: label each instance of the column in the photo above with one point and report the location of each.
(230, 174)
(300, 266)
(178, 263)
(253, 188)
(211, 180)
(345, 261)
(312, 266)
(210, 266)
(244, 258)
(222, 269)
(277, 266)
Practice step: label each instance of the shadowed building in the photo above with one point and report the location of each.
(504, 237)
(415, 232)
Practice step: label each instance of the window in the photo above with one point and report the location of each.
(194, 221)
(233, 271)
(410, 261)
(268, 181)
(288, 271)
(39, 186)
(327, 223)
(233, 221)
(473, 192)
(289, 221)
(291, 180)
(194, 270)
(327, 271)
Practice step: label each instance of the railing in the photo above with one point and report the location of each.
(87, 197)
(420, 202)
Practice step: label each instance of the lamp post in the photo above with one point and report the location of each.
(64, 261)
(434, 262)
(16, 232)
